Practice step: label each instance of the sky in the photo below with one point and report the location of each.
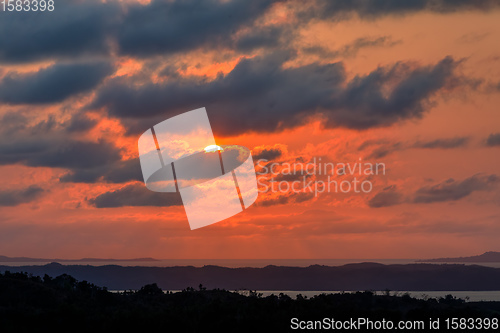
(413, 86)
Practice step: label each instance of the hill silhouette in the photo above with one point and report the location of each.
(485, 257)
(364, 276)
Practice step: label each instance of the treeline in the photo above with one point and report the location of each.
(30, 303)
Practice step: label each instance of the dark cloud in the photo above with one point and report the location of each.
(69, 154)
(266, 37)
(473, 37)
(371, 9)
(443, 143)
(370, 143)
(19, 125)
(280, 200)
(135, 195)
(80, 122)
(82, 28)
(268, 154)
(352, 49)
(17, 197)
(12, 123)
(364, 42)
(386, 198)
(269, 97)
(117, 172)
(303, 197)
(493, 140)
(52, 84)
(385, 150)
(382, 148)
(89, 28)
(49, 143)
(452, 190)
(265, 96)
(293, 176)
(449, 190)
(52, 143)
(285, 198)
(363, 103)
(74, 29)
(172, 26)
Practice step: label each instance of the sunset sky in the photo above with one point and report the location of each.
(413, 84)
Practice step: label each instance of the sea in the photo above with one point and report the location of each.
(467, 296)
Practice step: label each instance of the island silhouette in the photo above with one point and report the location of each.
(489, 256)
(362, 276)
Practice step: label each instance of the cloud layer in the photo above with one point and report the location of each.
(268, 97)
(52, 84)
(17, 197)
(135, 195)
(452, 190)
(94, 28)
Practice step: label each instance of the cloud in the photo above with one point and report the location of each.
(385, 150)
(448, 143)
(372, 142)
(269, 97)
(273, 201)
(493, 140)
(52, 84)
(473, 37)
(78, 29)
(135, 195)
(352, 49)
(17, 197)
(80, 122)
(452, 190)
(386, 198)
(449, 190)
(74, 29)
(57, 154)
(284, 198)
(19, 125)
(363, 103)
(268, 154)
(372, 9)
(382, 147)
(163, 27)
(116, 172)
(263, 37)
(52, 143)
(12, 123)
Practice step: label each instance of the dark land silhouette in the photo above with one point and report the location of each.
(29, 303)
(363, 276)
(482, 258)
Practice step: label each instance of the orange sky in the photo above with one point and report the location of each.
(62, 223)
